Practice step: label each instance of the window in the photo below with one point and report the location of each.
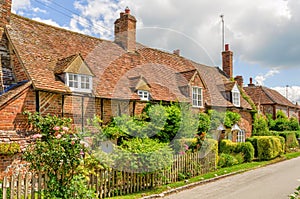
(144, 95)
(236, 98)
(80, 83)
(240, 136)
(197, 97)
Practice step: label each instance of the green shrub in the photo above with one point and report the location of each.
(227, 160)
(9, 148)
(290, 138)
(253, 141)
(184, 144)
(268, 147)
(247, 149)
(227, 146)
(260, 126)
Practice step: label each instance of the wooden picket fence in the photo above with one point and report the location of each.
(111, 182)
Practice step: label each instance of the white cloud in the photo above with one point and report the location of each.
(291, 92)
(261, 78)
(47, 21)
(20, 4)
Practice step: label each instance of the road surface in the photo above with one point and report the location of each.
(275, 181)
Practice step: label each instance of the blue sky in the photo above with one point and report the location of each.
(264, 35)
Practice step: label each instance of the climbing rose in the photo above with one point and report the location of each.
(56, 128)
(35, 136)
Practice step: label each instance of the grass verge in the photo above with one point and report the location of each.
(219, 172)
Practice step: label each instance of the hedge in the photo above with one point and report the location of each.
(290, 138)
(245, 148)
(269, 147)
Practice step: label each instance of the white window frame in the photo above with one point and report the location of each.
(197, 97)
(236, 96)
(241, 136)
(80, 88)
(144, 95)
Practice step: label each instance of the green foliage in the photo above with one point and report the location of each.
(9, 148)
(227, 160)
(247, 149)
(58, 151)
(244, 148)
(204, 123)
(216, 117)
(227, 146)
(253, 141)
(184, 144)
(231, 118)
(260, 126)
(268, 147)
(290, 138)
(294, 124)
(296, 194)
(142, 155)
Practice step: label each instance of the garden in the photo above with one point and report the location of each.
(163, 145)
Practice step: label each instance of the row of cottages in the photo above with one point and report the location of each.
(269, 101)
(56, 71)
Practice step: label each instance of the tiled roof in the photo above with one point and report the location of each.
(48, 50)
(6, 97)
(263, 95)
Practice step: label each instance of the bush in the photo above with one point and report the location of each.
(227, 146)
(290, 138)
(247, 149)
(260, 126)
(9, 148)
(253, 141)
(227, 160)
(184, 144)
(269, 147)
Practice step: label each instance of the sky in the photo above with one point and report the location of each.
(263, 35)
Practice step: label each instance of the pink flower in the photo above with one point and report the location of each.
(35, 136)
(181, 153)
(84, 143)
(64, 128)
(72, 142)
(186, 147)
(58, 136)
(56, 128)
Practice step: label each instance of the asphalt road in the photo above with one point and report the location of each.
(275, 181)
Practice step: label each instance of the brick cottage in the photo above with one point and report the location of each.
(59, 72)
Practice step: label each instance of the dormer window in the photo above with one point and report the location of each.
(197, 97)
(79, 83)
(236, 96)
(144, 95)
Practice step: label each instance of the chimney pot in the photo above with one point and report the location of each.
(127, 10)
(251, 82)
(226, 47)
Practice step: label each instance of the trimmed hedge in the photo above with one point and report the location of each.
(290, 138)
(245, 148)
(269, 147)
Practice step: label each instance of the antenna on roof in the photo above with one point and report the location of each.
(223, 31)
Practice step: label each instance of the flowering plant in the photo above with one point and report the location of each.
(58, 152)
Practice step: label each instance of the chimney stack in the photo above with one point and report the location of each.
(5, 10)
(251, 83)
(227, 61)
(240, 81)
(125, 31)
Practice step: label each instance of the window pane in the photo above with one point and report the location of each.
(197, 96)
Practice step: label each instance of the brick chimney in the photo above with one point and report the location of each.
(227, 61)
(240, 81)
(5, 10)
(251, 82)
(125, 31)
